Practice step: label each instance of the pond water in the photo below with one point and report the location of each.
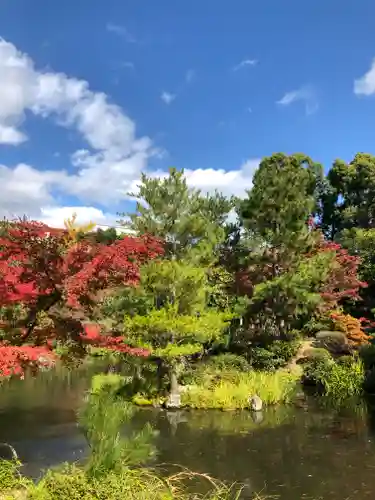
(290, 453)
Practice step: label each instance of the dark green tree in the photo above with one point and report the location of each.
(282, 199)
(349, 198)
(191, 224)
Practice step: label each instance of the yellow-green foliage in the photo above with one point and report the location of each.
(109, 381)
(72, 483)
(233, 389)
(12, 484)
(156, 330)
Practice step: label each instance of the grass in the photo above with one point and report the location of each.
(231, 390)
(71, 482)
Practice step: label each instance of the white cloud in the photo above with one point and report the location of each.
(121, 31)
(55, 216)
(167, 97)
(104, 171)
(305, 94)
(10, 135)
(244, 63)
(115, 156)
(366, 84)
(229, 182)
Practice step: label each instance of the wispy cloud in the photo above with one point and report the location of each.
(167, 97)
(127, 65)
(366, 84)
(122, 31)
(245, 63)
(190, 75)
(305, 94)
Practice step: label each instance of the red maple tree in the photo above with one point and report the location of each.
(342, 281)
(61, 281)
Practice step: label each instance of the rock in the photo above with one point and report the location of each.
(255, 403)
(7, 452)
(173, 401)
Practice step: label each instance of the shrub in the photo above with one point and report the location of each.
(338, 380)
(229, 361)
(318, 353)
(367, 354)
(110, 382)
(10, 477)
(275, 355)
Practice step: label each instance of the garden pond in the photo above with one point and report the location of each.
(289, 453)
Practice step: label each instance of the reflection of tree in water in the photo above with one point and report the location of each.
(304, 455)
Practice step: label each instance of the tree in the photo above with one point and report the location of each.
(290, 271)
(349, 198)
(282, 199)
(59, 281)
(179, 325)
(191, 224)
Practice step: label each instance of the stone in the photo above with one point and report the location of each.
(255, 403)
(173, 401)
(7, 452)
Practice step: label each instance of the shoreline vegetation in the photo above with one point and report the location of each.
(203, 301)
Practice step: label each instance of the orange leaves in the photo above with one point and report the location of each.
(351, 327)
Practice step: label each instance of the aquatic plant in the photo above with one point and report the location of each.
(232, 389)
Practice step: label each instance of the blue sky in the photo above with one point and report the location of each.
(93, 93)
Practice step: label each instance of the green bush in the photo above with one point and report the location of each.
(110, 382)
(369, 385)
(367, 354)
(318, 353)
(338, 380)
(275, 355)
(229, 361)
(10, 477)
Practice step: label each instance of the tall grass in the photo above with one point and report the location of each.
(233, 390)
(102, 419)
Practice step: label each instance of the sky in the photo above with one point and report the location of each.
(92, 93)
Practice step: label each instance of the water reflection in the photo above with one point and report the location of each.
(291, 453)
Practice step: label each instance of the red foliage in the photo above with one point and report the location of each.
(92, 335)
(13, 360)
(343, 282)
(41, 268)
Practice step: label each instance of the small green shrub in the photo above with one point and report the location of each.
(110, 382)
(369, 384)
(229, 361)
(10, 477)
(338, 380)
(367, 354)
(318, 353)
(275, 355)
